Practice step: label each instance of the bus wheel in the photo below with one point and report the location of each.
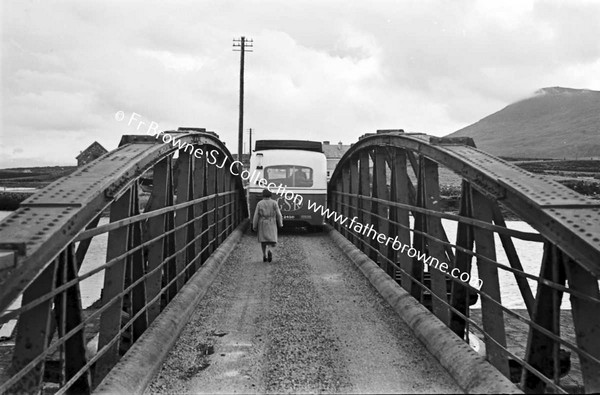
(315, 228)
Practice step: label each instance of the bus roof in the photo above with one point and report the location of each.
(304, 145)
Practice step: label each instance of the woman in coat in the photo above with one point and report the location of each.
(266, 218)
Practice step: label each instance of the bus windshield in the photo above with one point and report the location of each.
(290, 175)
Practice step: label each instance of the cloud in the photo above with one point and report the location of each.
(321, 70)
(173, 61)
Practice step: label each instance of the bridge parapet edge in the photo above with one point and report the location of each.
(149, 255)
(386, 178)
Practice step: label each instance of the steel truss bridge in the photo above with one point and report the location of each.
(388, 179)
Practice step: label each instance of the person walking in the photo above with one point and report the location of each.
(267, 217)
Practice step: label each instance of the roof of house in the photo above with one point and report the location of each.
(94, 144)
(335, 151)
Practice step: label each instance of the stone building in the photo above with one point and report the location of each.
(94, 151)
(333, 153)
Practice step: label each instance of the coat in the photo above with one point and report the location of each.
(266, 217)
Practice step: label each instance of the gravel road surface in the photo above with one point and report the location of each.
(307, 322)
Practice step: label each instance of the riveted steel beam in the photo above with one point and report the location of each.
(50, 219)
(563, 216)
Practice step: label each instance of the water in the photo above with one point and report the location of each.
(90, 288)
(19, 189)
(96, 255)
(530, 254)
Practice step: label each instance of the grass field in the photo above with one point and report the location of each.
(36, 177)
(578, 168)
(582, 176)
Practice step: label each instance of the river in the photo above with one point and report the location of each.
(530, 254)
(90, 287)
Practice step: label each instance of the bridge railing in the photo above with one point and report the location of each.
(538, 346)
(136, 262)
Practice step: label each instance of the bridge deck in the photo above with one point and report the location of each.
(307, 322)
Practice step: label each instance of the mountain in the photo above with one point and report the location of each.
(554, 123)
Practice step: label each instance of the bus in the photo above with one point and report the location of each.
(296, 172)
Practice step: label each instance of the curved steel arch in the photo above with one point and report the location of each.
(371, 187)
(48, 221)
(566, 218)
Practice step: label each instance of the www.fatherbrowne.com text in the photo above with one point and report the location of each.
(368, 230)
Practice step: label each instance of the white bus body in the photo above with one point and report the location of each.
(290, 174)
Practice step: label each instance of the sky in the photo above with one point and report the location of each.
(319, 70)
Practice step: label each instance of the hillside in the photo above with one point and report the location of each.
(554, 123)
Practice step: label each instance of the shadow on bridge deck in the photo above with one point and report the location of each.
(307, 322)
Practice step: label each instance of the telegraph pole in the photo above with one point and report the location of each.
(250, 148)
(242, 45)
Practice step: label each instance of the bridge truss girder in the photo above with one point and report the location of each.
(372, 183)
(149, 255)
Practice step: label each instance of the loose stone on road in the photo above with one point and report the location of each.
(307, 322)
